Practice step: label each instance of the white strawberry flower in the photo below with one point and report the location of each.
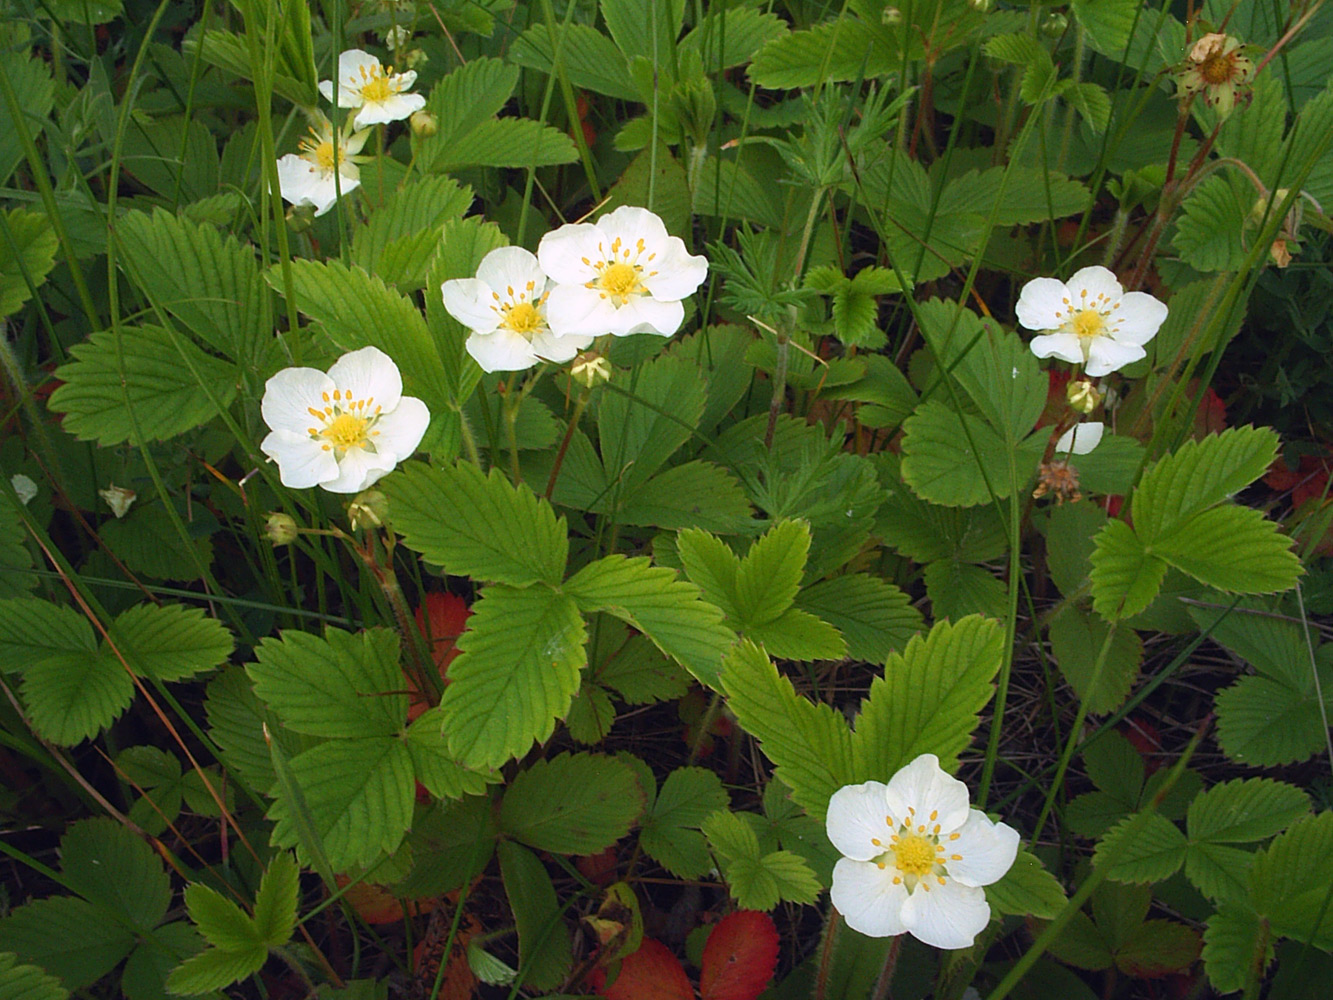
(1081, 438)
(342, 430)
(915, 856)
(1089, 320)
(622, 274)
(376, 92)
(505, 309)
(308, 177)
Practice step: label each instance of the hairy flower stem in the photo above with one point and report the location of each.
(885, 980)
(419, 664)
(820, 991)
(579, 405)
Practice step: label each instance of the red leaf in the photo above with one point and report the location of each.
(651, 973)
(739, 957)
(447, 615)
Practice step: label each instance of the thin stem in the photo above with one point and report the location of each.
(885, 980)
(826, 954)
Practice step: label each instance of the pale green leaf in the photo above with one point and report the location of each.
(517, 673)
(276, 901)
(712, 566)
(1029, 194)
(633, 667)
(27, 982)
(236, 723)
(1289, 883)
(799, 635)
(958, 460)
(647, 28)
(664, 178)
(215, 968)
(1244, 810)
(591, 714)
(928, 699)
(220, 920)
(769, 575)
(342, 684)
(1125, 577)
(1077, 639)
(28, 247)
(1092, 102)
(506, 142)
(874, 617)
(1152, 854)
(170, 641)
(146, 972)
(1211, 221)
(729, 836)
(1110, 23)
(543, 939)
(144, 382)
(1233, 549)
(401, 238)
(670, 832)
(495, 531)
(572, 804)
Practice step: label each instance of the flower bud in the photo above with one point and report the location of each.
(424, 124)
(1055, 25)
(368, 509)
(983, 6)
(590, 368)
(24, 487)
(415, 59)
(891, 15)
(281, 528)
(1083, 395)
(118, 498)
(397, 37)
(300, 217)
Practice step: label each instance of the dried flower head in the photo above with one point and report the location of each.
(1060, 480)
(1218, 69)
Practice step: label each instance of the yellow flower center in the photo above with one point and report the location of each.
(618, 276)
(1089, 323)
(345, 422)
(1218, 68)
(914, 849)
(523, 318)
(619, 280)
(915, 855)
(318, 149)
(375, 84)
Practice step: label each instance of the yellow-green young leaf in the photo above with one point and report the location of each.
(712, 566)
(769, 576)
(1125, 577)
(1233, 549)
(112, 868)
(27, 253)
(1289, 883)
(1201, 474)
(958, 460)
(517, 673)
(874, 617)
(1150, 855)
(165, 385)
(170, 641)
(342, 685)
(667, 610)
(928, 699)
(215, 968)
(276, 901)
(799, 635)
(495, 531)
(543, 938)
(729, 836)
(670, 832)
(1237, 947)
(209, 282)
(1027, 889)
(572, 804)
(757, 880)
(809, 743)
(1245, 810)
(224, 924)
(27, 982)
(1077, 638)
(68, 936)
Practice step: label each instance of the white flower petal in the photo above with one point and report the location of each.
(469, 301)
(398, 433)
(350, 77)
(1041, 304)
(679, 273)
(1065, 346)
(1138, 319)
(302, 461)
(856, 818)
(393, 108)
(288, 396)
(326, 88)
(501, 350)
(352, 145)
(867, 898)
(566, 254)
(642, 314)
(359, 469)
(369, 373)
(573, 309)
(1106, 355)
(404, 80)
(511, 267)
(549, 347)
(946, 916)
(988, 850)
(935, 797)
(1081, 438)
(630, 224)
(24, 488)
(1094, 288)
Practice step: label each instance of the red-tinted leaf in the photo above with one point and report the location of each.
(651, 973)
(739, 957)
(442, 619)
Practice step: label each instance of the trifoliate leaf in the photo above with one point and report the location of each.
(276, 901)
(669, 832)
(1151, 854)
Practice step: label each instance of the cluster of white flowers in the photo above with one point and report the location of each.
(623, 274)
(327, 163)
(915, 856)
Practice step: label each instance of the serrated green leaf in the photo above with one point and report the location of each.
(1116, 767)
(712, 566)
(730, 37)
(1018, 49)
(1219, 872)
(1233, 549)
(1244, 810)
(339, 685)
(730, 837)
(34, 91)
(236, 723)
(33, 630)
(147, 541)
(958, 460)
(572, 804)
(639, 431)
(696, 494)
(1125, 577)
(170, 641)
(401, 238)
(928, 699)
(1028, 195)
(359, 793)
(670, 832)
(28, 247)
(435, 766)
(109, 866)
(224, 924)
(926, 532)
(633, 667)
(27, 982)
(799, 635)
(517, 673)
(276, 901)
(1273, 645)
(543, 939)
(1237, 947)
(66, 936)
(1077, 639)
(1201, 474)
(495, 531)
(1027, 889)
(591, 714)
(589, 59)
(215, 968)
(1290, 881)
(1092, 102)
(1153, 854)
(874, 617)
(665, 609)
(1110, 23)
(809, 743)
(836, 51)
(146, 972)
(1157, 947)
(1266, 723)
(71, 698)
(1210, 220)
(957, 589)
(1080, 943)
(769, 576)
(664, 177)
(757, 880)
(146, 373)
(209, 282)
